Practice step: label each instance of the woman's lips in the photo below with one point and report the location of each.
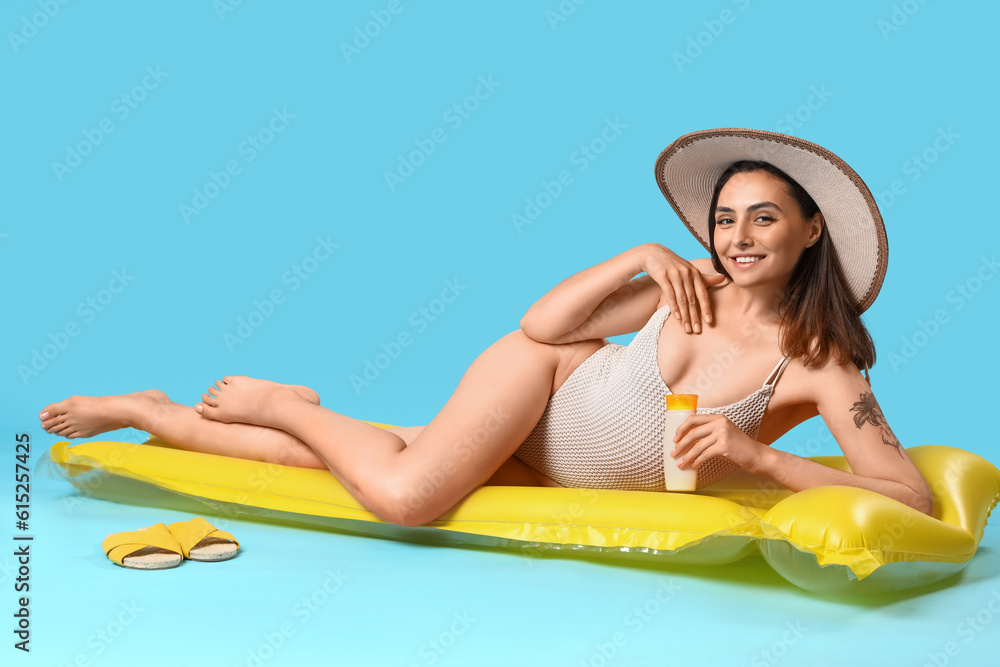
(746, 265)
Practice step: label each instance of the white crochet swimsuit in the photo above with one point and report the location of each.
(603, 428)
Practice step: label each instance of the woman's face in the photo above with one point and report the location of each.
(759, 230)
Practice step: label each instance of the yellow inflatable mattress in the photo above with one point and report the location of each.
(830, 540)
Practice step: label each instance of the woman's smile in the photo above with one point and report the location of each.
(745, 262)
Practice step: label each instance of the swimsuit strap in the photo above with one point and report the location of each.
(772, 379)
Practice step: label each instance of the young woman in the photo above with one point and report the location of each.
(798, 252)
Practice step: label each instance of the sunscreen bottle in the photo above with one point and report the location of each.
(679, 406)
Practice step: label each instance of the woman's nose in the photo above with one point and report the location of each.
(741, 235)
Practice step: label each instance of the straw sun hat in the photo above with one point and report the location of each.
(688, 169)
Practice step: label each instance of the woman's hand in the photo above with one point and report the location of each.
(683, 285)
(700, 437)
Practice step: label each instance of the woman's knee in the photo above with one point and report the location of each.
(402, 503)
(414, 496)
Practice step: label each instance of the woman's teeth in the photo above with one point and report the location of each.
(747, 260)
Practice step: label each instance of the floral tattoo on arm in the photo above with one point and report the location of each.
(868, 410)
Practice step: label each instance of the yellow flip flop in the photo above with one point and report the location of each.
(201, 541)
(152, 548)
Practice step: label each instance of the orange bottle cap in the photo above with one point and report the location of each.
(682, 401)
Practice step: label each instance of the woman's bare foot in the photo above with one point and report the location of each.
(87, 416)
(238, 398)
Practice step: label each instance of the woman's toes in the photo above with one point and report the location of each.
(208, 411)
(52, 421)
(52, 410)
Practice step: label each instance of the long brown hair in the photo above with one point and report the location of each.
(815, 305)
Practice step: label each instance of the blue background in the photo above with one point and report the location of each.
(876, 82)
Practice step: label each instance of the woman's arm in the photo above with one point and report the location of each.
(799, 473)
(845, 401)
(877, 459)
(604, 300)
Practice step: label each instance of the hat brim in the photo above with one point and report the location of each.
(688, 169)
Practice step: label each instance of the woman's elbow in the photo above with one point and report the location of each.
(923, 500)
(527, 330)
(531, 329)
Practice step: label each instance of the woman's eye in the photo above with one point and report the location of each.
(759, 218)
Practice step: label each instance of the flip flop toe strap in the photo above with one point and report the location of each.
(119, 546)
(190, 533)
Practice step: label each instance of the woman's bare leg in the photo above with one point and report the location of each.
(181, 425)
(495, 406)
(513, 472)
(152, 411)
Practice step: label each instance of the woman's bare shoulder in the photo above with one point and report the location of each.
(704, 264)
(811, 384)
(804, 392)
